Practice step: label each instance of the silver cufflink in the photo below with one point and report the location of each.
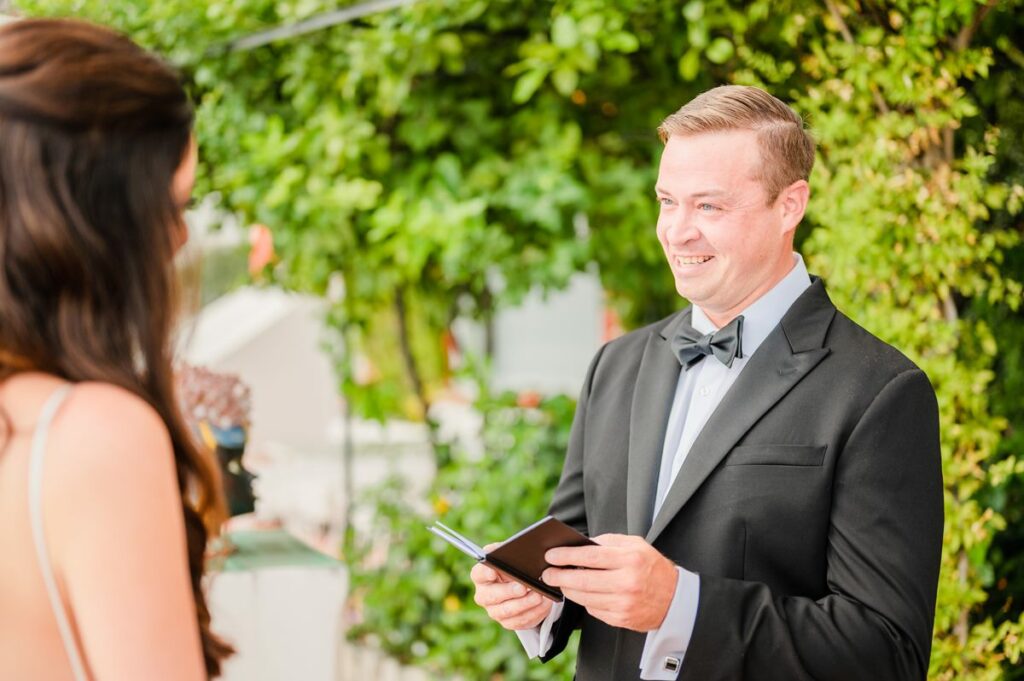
(671, 664)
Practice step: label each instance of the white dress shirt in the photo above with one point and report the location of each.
(698, 393)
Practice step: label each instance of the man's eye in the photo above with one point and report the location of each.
(665, 201)
(706, 207)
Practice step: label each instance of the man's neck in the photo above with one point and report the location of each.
(721, 318)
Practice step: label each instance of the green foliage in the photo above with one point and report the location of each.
(1001, 98)
(446, 157)
(922, 245)
(418, 601)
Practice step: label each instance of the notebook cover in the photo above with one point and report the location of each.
(522, 556)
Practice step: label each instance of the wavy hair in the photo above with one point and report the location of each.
(92, 130)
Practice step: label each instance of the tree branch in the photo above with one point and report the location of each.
(314, 23)
(962, 42)
(410, 361)
(963, 39)
(485, 303)
(880, 16)
(838, 18)
(833, 9)
(948, 148)
(962, 626)
(949, 310)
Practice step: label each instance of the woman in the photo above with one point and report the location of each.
(102, 495)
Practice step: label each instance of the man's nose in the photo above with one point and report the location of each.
(681, 227)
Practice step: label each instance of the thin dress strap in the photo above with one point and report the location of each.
(35, 507)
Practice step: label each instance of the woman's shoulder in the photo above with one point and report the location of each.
(92, 403)
(104, 426)
(23, 396)
(104, 444)
(99, 428)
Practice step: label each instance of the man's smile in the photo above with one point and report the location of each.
(682, 260)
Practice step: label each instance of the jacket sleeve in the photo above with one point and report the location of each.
(883, 555)
(568, 504)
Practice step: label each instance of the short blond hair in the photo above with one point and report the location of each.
(786, 146)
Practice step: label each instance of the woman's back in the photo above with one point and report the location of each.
(115, 535)
(97, 162)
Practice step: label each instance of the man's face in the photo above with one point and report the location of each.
(725, 245)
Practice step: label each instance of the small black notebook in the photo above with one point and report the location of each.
(521, 556)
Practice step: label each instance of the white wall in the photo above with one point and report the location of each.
(273, 341)
(547, 345)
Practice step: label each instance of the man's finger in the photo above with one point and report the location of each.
(597, 581)
(514, 607)
(481, 574)
(498, 592)
(593, 600)
(617, 540)
(529, 618)
(598, 557)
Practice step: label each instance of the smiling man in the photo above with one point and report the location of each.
(762, 475)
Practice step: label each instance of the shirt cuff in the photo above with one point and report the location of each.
(537, 641)
(665, 646)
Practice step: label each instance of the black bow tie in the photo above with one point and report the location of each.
(690, 347)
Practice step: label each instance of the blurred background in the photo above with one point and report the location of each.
(417, 220)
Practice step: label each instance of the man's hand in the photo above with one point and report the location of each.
(508, 603)
(623, 582)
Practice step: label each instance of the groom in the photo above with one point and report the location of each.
(761, 474)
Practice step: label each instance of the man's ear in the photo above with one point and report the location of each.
(792, 204)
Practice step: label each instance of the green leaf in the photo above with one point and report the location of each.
(694, 10)
(527, 84)
(720, 50)
(689, 64)
(623, 41)
(564, 33)
(564, 79)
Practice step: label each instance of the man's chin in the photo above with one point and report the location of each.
(687, 288)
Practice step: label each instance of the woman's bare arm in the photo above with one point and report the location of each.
(114, 516)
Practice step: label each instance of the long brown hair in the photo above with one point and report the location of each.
(92, 130)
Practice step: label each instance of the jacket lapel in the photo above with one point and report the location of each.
(648, 417)
(789, 353)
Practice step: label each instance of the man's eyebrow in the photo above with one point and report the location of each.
(710, 194)
(703, 194)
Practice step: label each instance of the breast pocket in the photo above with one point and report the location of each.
(776, 455)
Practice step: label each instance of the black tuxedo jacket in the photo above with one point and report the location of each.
(810, 504)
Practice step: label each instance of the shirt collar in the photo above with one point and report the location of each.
(765, 313)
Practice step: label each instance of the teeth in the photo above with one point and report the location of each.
(693, 260)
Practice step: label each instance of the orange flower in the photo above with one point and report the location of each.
(261, 248)
(528, 399)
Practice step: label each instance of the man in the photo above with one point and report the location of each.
(762, 475)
